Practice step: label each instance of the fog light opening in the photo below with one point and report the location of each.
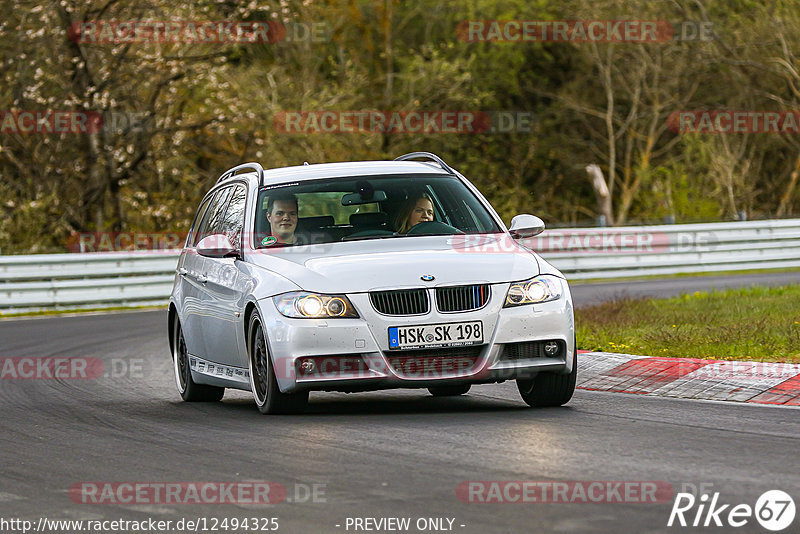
(551, 348)
(307, 366)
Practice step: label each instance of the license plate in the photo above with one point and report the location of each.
(436, 335)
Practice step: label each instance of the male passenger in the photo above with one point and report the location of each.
(282, 217)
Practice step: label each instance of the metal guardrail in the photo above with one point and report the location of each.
(93, 280)
(98, 280)
(590, 253)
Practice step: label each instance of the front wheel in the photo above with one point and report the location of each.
(549, 389)
(269, 398)
(189, 390)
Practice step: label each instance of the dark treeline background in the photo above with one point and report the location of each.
(203, 108)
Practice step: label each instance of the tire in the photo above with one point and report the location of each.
(268, 397)
(189, 390)
(449, 391)
(549, 389)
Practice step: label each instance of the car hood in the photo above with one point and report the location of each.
(359, 266)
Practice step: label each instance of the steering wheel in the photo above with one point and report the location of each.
(433, 227)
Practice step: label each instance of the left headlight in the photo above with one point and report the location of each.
(305, 305)
(542, 288)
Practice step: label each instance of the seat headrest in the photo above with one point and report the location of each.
(315, 223)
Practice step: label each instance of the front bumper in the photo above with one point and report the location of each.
(339, 342)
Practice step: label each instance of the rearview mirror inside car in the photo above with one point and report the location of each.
(351, 199)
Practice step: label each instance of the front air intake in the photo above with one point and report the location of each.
(462, 298)
(400, 302)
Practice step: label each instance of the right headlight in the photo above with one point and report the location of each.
(305, 305)
(542, 288)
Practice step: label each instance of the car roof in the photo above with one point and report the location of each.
(348, 169)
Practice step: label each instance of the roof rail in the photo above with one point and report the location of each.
(428, 156)
(233, 170)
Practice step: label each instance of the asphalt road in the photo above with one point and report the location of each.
(384, 454)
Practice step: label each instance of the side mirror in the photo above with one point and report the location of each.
(217, 246)
(525, 225)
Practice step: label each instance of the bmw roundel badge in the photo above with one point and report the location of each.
(427, 277)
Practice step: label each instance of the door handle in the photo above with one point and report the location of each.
(202, 278)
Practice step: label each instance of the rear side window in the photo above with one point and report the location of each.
(233, 220)
(198, 220)
(212, 219)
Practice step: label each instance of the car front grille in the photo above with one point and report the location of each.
(462, 298)
(436, 363)
(529, 350)
(400, 302)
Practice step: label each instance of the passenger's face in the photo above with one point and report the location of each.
(283, 219)
(422, 212)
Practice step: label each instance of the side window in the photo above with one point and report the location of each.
(213, 216)
(198, 219)
(464, 210)
(233, 220)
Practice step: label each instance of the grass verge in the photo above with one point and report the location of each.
(679, 275)
(758, 324)
(77, 311)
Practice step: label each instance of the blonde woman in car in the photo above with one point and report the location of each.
(416, 209)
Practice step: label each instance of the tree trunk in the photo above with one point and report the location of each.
(602, 192)
(786, 198)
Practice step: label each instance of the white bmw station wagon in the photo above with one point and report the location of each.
(364, 276)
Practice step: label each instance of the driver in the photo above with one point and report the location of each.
(415, 210)
(282, 217)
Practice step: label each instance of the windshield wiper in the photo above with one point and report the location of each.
(363, 237)
(429, 235)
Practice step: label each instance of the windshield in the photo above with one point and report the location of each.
(368, 207)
